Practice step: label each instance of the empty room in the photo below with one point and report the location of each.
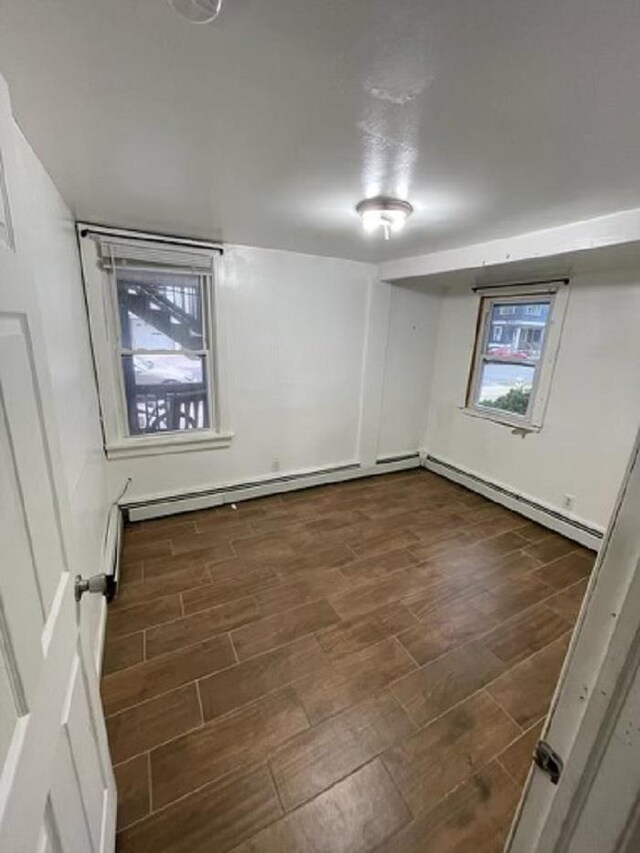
(319, 409)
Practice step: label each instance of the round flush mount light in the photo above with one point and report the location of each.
(390, 214)
(197, 11)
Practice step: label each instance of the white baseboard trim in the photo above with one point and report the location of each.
(580, 531)
(110, 566)
(157, 507)
(101, 638)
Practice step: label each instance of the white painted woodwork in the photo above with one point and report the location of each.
(526, 505)
(100, 288)
(49, 247)
(234, 492)
(594, 721)
(57, 790)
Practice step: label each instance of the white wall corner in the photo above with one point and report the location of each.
(430, 413)
(373, 367)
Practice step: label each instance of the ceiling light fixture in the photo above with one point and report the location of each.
(390, 214)
(197, 11)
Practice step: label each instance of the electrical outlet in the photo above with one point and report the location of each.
(275, 465)
(569, 501)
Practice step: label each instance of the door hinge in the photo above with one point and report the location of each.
(548, 761)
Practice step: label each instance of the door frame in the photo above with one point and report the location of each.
(598, 673)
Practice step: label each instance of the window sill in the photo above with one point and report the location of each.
(154, 445)
(516, 424)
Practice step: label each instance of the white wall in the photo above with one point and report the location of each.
(328, 366)
(55, 268)
(295, 326)
(408, 368)
(594, 404)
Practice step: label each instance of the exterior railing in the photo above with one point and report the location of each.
(170, 407)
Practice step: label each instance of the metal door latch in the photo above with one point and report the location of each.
(101, 584)
(548, 761)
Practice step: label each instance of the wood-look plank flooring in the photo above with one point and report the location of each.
(364, 666)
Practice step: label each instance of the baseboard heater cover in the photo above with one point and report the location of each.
(157, 507)
(111, 566)
(572, 528)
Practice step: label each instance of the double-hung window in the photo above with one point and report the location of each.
(518, 335)
(155, 327)
(164, 350)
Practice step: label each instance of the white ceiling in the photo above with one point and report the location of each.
(492, 117)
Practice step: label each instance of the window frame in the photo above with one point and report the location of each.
(556, 294)
(205, 284)
(100, 277)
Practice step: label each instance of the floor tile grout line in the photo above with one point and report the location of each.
(509, 668)
(288, 686)
(250, 769)
(147, 598)
(146, 816)
(147, 659)
(523, 734)
(482, 765)
(215, 720)
(510, 775)
(503, 709)
(223, 780)
(157, 625)
(177, 651)
(442, 714)
(299, 806)
(397, 637)
(358, 766)
(551, 595)
(200, 704)
(119, 636)
(150, 781)
(362, 583)
(275, 786)
(396, 785)
(425, 564)
(160, 744)
(212, 673)
(233, 647)
(479, 690)
(354, 655)
(479, 637)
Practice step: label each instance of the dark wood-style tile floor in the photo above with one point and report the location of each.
(363, 666)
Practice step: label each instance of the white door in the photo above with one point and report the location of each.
(57, 791)
(594, 721)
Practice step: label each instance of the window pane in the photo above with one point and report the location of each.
(159, 310)
(165, 392)
(516, 330)
(506, 387)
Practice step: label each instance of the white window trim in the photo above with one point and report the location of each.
(104, 325)
(558, 294)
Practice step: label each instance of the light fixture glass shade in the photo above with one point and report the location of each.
(197, 11)
(389, 214)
